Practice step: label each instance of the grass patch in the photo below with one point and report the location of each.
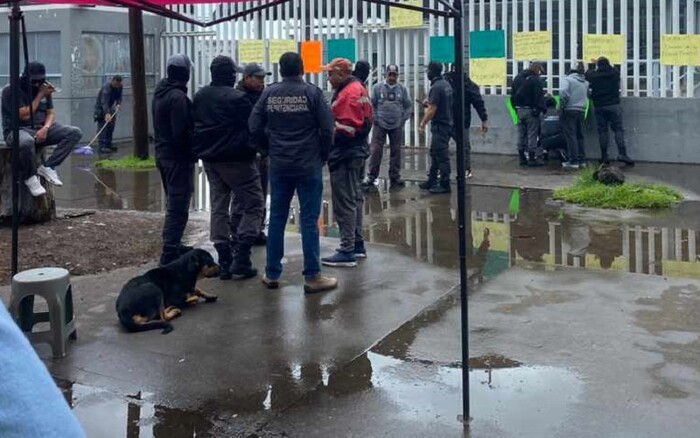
(588, 192)
(127, 163)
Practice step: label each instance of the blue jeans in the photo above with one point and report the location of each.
(309, 187)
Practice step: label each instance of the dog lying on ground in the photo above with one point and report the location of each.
(150, 301)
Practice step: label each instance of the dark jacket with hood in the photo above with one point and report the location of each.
(221, 120)
(106, 100)
(293, 117)
(26, 97)
(352, 111)
(528, 92)
(172, 121)
(472, 98)
(605, 85)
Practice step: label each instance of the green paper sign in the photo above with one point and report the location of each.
(487, 44)
(344, 48)
(442, 49)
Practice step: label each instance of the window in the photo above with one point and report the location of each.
(105, 55)
(44, 47)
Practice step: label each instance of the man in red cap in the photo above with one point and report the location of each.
(352, 111)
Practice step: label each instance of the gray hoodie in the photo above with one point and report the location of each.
(574, 93)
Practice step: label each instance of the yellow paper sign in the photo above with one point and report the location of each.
(251, 51)
(498, 235)
(280, 47)
(680, 49)
(610, 46)
(403, 18)
(488, 71)
(532, 46)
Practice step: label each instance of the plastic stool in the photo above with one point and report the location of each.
(53, 284)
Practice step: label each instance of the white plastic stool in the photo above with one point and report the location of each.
(53, 284)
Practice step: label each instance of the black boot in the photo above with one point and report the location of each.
(604, 157)
(242, 267)
(443, 187)
(225, 259)
(623, 158)
(170, 254)
(533, 161)
(523, 158)
(427, 185)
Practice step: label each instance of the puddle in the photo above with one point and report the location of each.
(533, 233)
(507, 399)
(105, 415)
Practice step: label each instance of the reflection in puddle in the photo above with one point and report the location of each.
(103, 414)
(511, 399)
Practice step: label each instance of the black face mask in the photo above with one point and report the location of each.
(432, 75)
(37, 84)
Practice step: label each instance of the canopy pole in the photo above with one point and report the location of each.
(15, 18)
(462, 204)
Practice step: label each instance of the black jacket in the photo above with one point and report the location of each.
(528, 91)
(297, 122)
(472, 98)
(605, 85)
(221, 124)
(172, 122)
(106, 100)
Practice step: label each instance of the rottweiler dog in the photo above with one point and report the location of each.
(151, 300)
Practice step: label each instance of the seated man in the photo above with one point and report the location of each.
(37, 128)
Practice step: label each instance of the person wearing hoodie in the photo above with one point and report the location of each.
(172, 126)
(37, 127)
(293, 119)
(573, 97)
(253, 84)
(528, 99)
(353, 115)
(222, 141)
(362, 70)
(392, 108)
(108, 102)
(438, 113)
(605, 93)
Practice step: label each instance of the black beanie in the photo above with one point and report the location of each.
(362, 70)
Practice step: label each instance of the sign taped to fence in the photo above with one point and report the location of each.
(680, 50)
(488, 71)
(609, 46)
(280, 47)
(341, 48)
(312, 55)
(400, 18)
(532, 46)
(487, 44)
(442, 49)
(251, 51)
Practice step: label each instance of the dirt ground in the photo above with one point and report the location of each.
(84, 242)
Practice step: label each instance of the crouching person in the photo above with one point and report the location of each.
(222, 142)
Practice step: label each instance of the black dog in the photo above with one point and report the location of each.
(151, 300)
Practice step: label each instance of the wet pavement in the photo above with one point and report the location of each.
(582, 323)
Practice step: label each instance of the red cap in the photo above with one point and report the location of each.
(339, 64)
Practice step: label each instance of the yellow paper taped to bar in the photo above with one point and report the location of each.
(251, 51)
(609, 46)
(280, 47)
(532, 46)
(680, 50)
(488, 71)
(400, 18)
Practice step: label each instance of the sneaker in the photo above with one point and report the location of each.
(104, 151)
(35, 186)
(360, 251)
(50, 175)
(570, 165)
(582, 164)
(270, 283)
(340, 260)
(523, 158)
(427, 185)
(441, 189)
(320, 284)
(468, 174)
(369, 182)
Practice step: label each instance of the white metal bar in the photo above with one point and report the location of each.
(599, 16)
(504, 26)
(562, 43)
(636, 23)
(492, 26)
(691, 9)
(625, 36)
(550, 63)
(516, 64)
(573, 33)
(650, 48)
(662, 31)
(676, 21)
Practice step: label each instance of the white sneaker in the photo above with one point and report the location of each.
(35, 186)
(50, 175)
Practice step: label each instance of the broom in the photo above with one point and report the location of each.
(87, 149)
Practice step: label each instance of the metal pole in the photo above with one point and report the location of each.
(138, 84)
(15, 18)
(462, 203)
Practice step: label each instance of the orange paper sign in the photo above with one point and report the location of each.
(312, 55)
